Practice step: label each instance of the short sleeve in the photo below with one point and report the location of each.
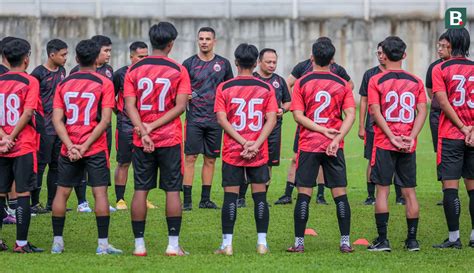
(36, 73)
(228, 73)
(341, 72)
(349, 101)
(374, 96)
(58, 101)
(32, 97)
(296, 72)
(363, 90)
(297, 102)
(438, 82)
(429, 81)
(286, 93)
(129, 86)
(187, 64)
(219, 105)
(421, 93)
(117, 82)
(108, 96)
(74, 70)
(272, 105)
(184, 85)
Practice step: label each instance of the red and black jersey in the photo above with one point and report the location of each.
(18, 91)
(246, 100)
(3, 69)
(322, 96)
(82, 96)
(48, 81)
(155, 82)
(105, 70)
(205, 76)
(398, 93)
(364, 92)
(124, 124)
(429, 84)
(455, 77)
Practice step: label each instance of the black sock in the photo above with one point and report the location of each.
(58, 225)
(206, 192)
(343, 210)
(267, 186)
(52, 184)
(187, 193)
(229, 212)
(13, 203)
(23, 217)
(138, 228)
(119, 192)
(320, 190)
(261, 212)
(371, 189)
(81, 192)
(381, 220)
(289, 188)
(174, 225)
(2, 210)
(35, 194)
(412, 225)
(301, 214)
(471, 206)
(398, 191)
(452, 208)
(243, 190)
(103, 223)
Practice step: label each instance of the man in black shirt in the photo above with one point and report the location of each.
(49, 75)
(203, 134)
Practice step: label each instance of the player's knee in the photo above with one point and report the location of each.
(209, 161)
(123, 166)
(190, 159)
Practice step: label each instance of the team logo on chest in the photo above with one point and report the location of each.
(217, 67)
(62, 76)
(108, 73)
(276, 84)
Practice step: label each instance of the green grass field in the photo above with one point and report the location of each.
(201, 230)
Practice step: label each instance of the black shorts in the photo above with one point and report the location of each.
(238, 175)
(297, 138)
(71, 174)
(455, 160)
(394, 166)
(167, 159)
(124, 145)
(368, 145)
(307, 168)
(50, 147)
(274, 146)
(434, 124)
(203, 139)
(21, 169)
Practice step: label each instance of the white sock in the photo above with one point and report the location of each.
(21, 243)
(58, 240)
(472, 235)
(173, 241)
(227, 240)
(345, 240)
(104, 242)
(139, 242)
(262, 239)
(299, 241)
(453, 236)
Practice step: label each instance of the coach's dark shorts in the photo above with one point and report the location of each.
(455, 160)
(297, 138)
(238, 175)
(124, 145)
(21, 169)
(368, 145)
(307, 168)
(202, 138)
(167, 160)
(71, 174)
(274, 146)
(50, 147)
(434, 124)
(392, 165)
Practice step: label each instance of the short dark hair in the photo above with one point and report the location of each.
(87, 52)
(55, 45)
(394, 48)
(207, 29)
(460, 41)
(380, 44)
(162, 34)
(101, 40)
(246, 55)
(323, 52)
(443, 36)
(265, 50)
(4, 41)
(16, 51)
(324, 39)
(136, 45)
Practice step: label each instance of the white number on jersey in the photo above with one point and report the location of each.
(147, 85)
(462, 92)
(74, 108)
(407, 103)
(327, 101)
(252, 113)
(9, 109)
